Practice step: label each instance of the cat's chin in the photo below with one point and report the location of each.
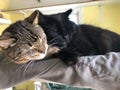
(21, 61)
(42, 56)
(25, 59)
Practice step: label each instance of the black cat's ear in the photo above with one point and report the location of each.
(6, 41)
(41, 18)
(67, 13)
(40, 14)
(33, 18)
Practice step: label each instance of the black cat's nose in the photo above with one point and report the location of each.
(66, 38)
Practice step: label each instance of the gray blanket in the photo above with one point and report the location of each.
(100, 72)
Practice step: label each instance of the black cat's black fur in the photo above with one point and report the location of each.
(58, 28)
(77, 40)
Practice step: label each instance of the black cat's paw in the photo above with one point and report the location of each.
(69, 57)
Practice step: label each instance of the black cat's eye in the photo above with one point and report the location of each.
(58, 32)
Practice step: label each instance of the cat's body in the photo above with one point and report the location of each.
(24, 40)
(90, 40)
(77, 40)
(94, 40)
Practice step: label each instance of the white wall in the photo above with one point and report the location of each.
(18, 4)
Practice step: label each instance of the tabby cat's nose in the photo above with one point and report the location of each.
(42, 50)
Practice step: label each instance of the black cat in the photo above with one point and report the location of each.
(77, 40)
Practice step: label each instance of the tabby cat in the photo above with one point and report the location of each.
(24, 40)
(77, 40)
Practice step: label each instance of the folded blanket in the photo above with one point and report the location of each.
(101, 72)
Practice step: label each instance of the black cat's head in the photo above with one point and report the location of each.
(24, 40)
(57, 27)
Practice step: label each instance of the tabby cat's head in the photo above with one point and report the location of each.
(24, 40)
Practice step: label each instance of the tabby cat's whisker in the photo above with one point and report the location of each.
(17, 70)
(52, 40)
(32, 61)
(21, 69)
(54, 43)
(28, 64)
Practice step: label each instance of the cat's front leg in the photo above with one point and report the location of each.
(52, 52)
(68, 56)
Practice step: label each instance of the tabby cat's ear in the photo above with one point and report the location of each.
(6, 41)
(67, 13)
(33, 18)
